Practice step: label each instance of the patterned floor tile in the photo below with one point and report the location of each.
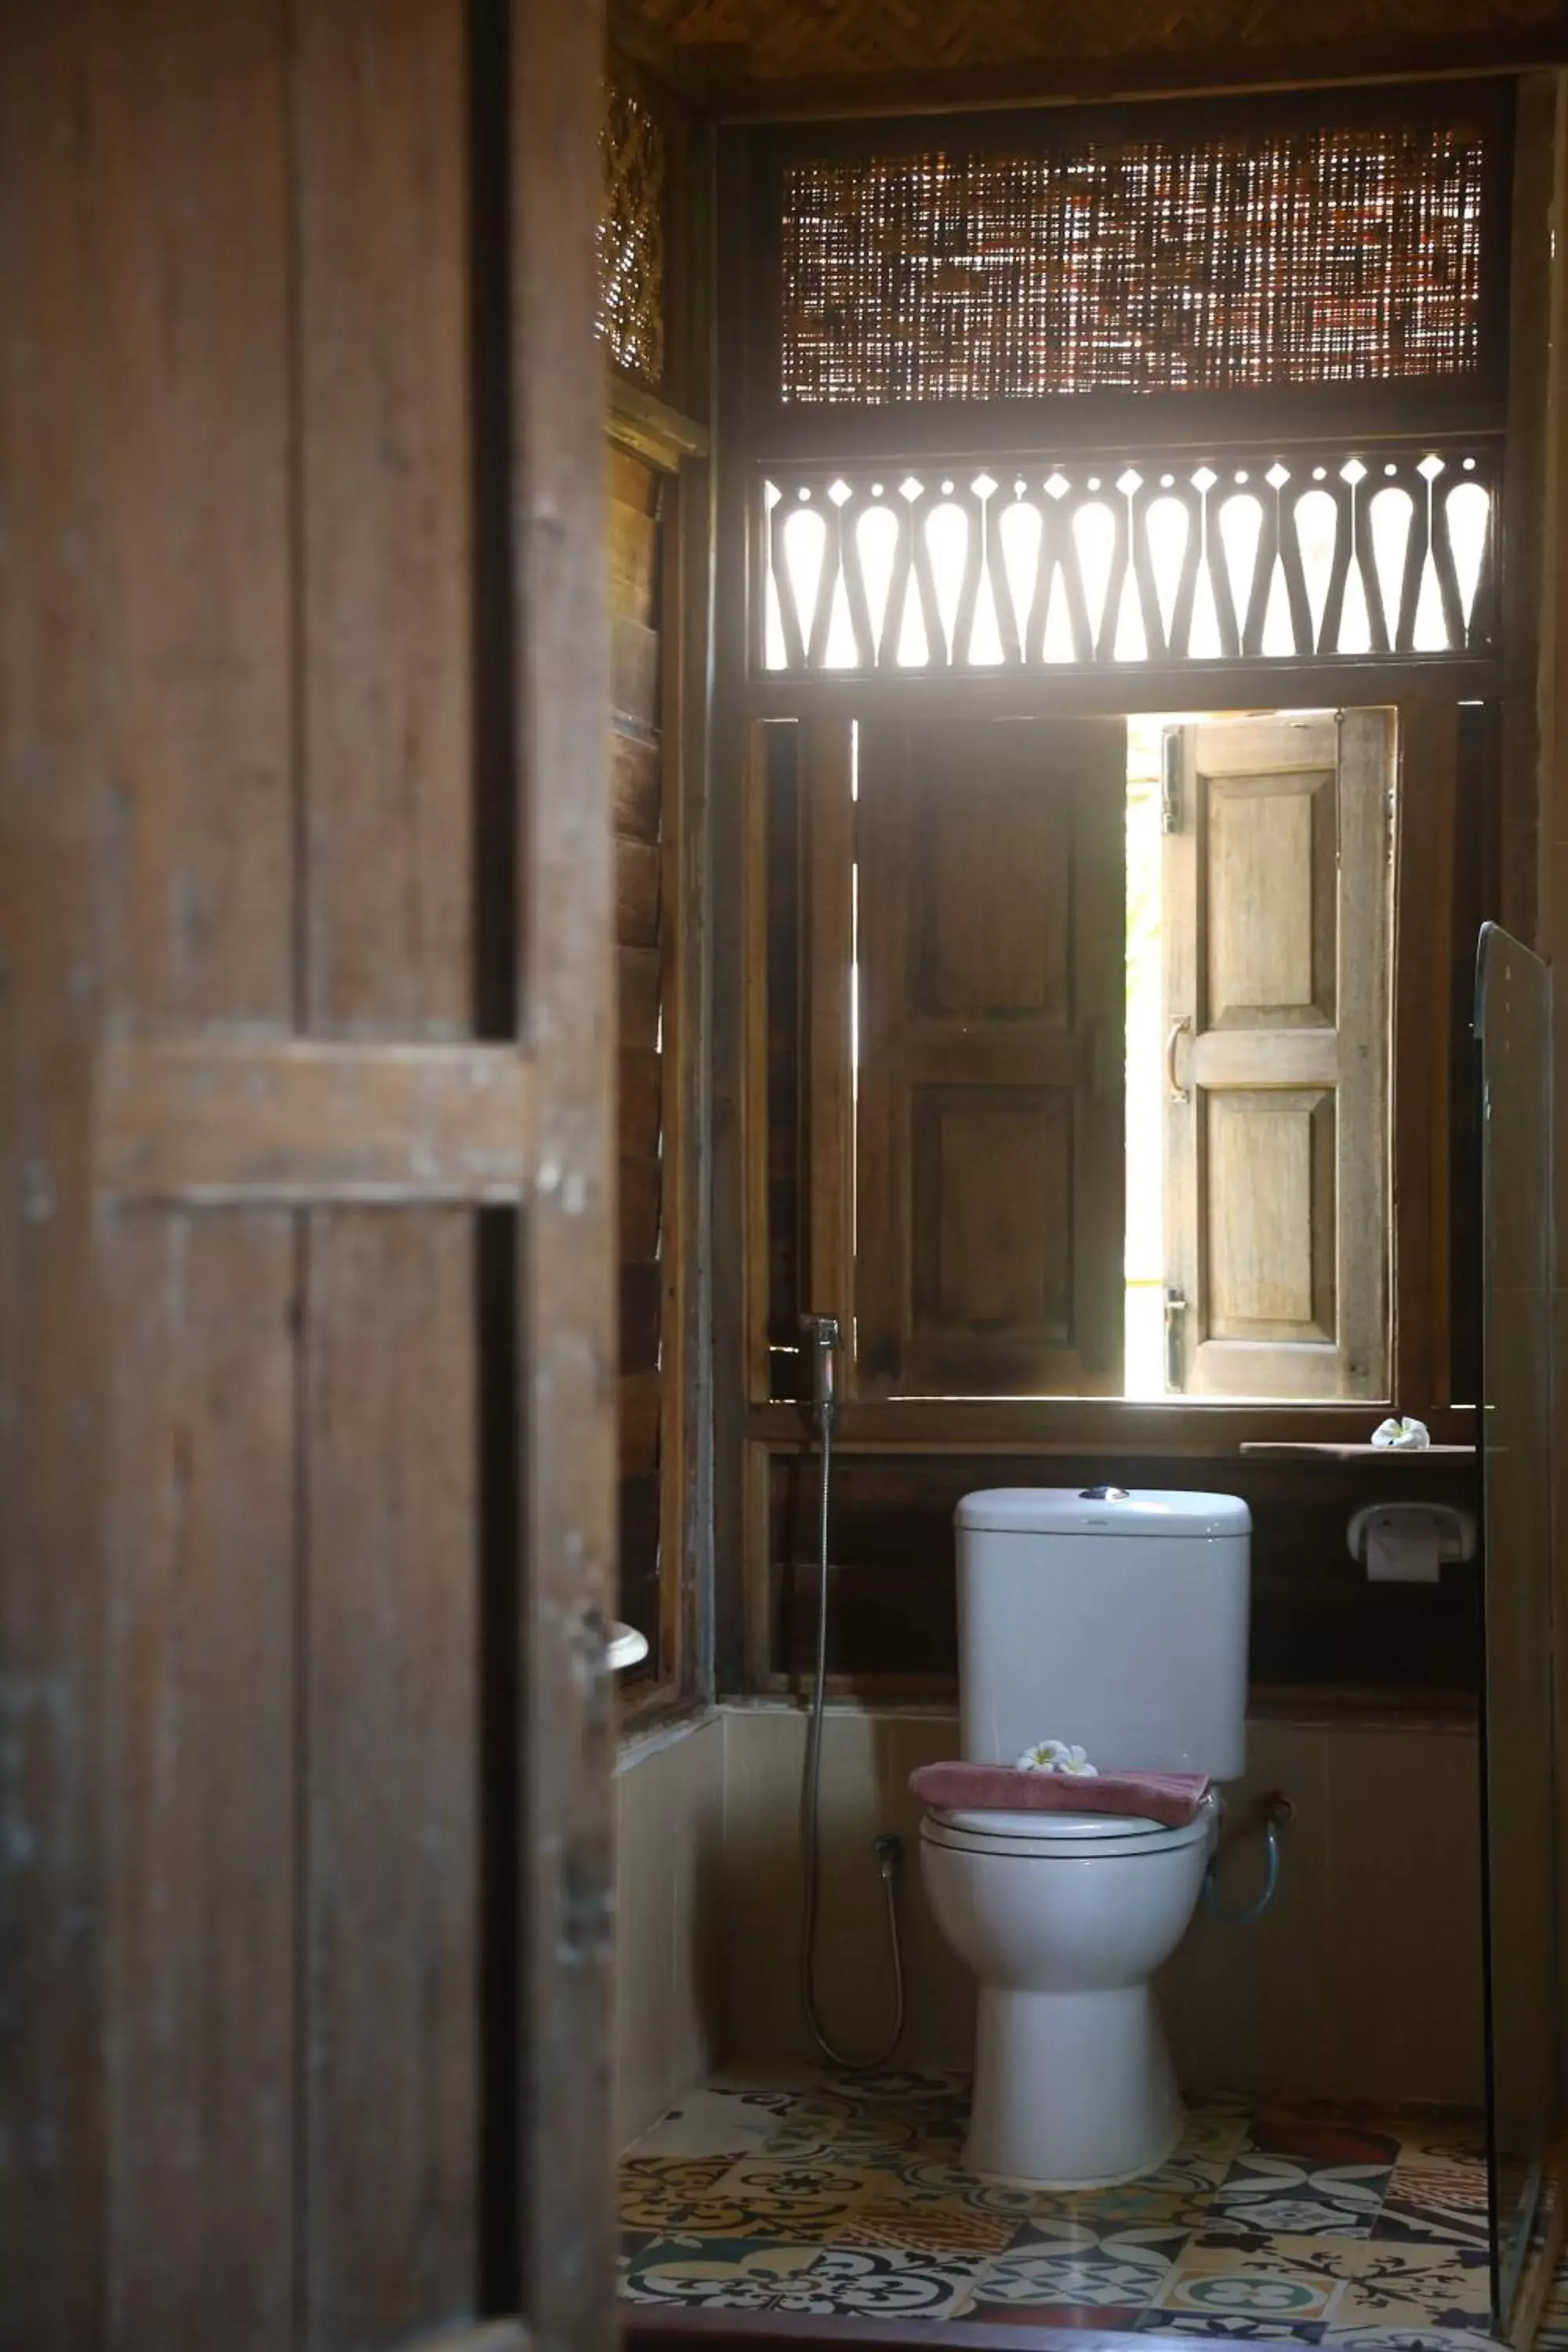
(819, 2192)
(1236, 2330)
(1300, 2198)
(1442, 2138)
(1397, 2339)
(1289, 2280)
(883, 2116)
(1114, 2319)
(753, 2276)
(1133, 2206)
(1053, 2265)
(711, 2122)
(722, 2196)
(1407, 2286)
(1441, 2204)
(891, 2216)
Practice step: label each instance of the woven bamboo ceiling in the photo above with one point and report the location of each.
(782, 56)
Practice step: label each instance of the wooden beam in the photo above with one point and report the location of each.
(1073, 1425)
(285, 1120)
(1122, 690)
(650, 428)
(718, 76)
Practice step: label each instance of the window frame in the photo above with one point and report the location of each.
(675, 448)
(1427, 724)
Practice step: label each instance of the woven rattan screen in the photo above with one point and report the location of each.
(631, 236)
(1286, 254)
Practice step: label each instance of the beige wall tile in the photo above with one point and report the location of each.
(669, 1860)
(1362, 1980)
(867, 1761)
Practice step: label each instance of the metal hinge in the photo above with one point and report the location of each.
(1171, 794)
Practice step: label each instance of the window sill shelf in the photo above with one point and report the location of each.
(1293, 1450)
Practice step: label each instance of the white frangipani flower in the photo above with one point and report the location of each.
(1057, 1756)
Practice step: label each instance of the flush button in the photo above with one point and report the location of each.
(1103, 1495)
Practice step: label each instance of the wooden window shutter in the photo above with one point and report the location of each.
(989, 1133)
(1276, 918)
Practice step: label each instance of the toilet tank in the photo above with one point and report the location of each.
(1112, 1618)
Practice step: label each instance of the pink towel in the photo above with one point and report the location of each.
(1170, 1797)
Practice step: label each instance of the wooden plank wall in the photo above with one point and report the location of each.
(246, 1577)
(1316, 1620)
(637, 763)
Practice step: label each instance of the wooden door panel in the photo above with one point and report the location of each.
(991, 867)
(993, 1216)
(989, 1178)
(1270, 871)
(201, 1815)
(1275, 922)
(1270, 1188)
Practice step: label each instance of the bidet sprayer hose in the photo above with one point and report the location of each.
(886, 1848)
(1277, 1811)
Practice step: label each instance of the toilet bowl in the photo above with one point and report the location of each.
(1073, 2083)
(1114, 1621)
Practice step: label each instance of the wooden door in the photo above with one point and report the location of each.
(306, 1460)
(988, 1256)
(1276, 924)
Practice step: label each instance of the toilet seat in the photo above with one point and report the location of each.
(1031, 1836)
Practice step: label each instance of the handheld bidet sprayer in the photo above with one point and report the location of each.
(822, 1332)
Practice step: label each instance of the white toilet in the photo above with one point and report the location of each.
(1117, 1621)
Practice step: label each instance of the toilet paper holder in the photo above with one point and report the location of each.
(1419, 1524)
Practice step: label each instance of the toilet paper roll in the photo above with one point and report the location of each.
(1403, 1551)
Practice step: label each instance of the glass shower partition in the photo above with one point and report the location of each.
(1513, 1041)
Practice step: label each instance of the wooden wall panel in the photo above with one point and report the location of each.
(384, 472)
(637, 756)
(392, 1738)
(189, 254)
(51, 1491)
(989, 1171)
(1316, 1620)
(199, 1780)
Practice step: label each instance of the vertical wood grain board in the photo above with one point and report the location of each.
(200, 1780)
(384, 555)
(188, 210)
(52, 1430)
(392, 1729)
